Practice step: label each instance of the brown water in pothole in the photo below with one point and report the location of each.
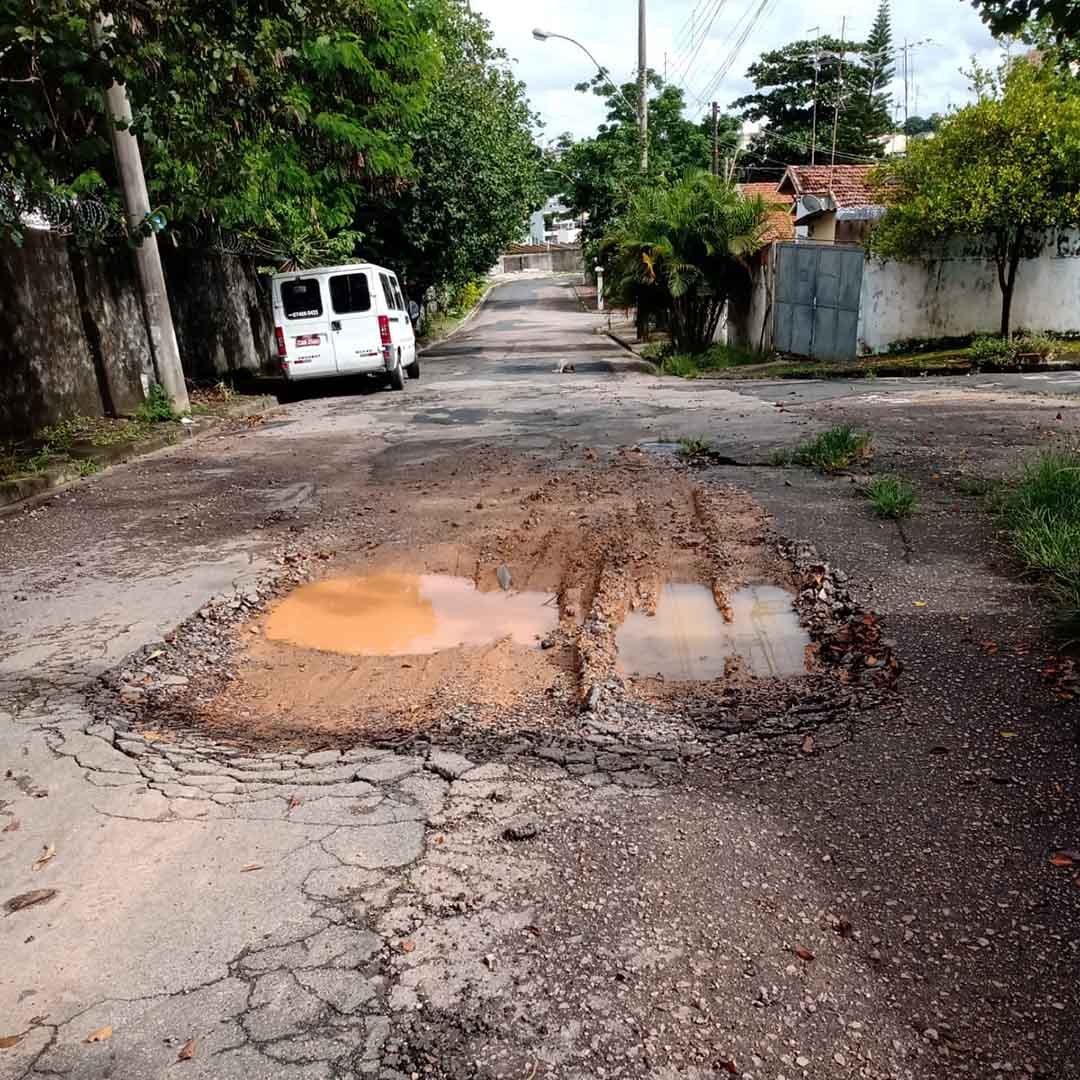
(396, 614)
(688, 638)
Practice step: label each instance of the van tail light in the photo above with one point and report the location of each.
(384, 329)
(279, 333)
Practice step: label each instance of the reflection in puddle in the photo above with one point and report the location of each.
(688, 638)
(394, 614)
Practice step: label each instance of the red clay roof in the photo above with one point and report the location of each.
(780, 225)
(846, 183)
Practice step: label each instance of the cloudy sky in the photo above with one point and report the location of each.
(609, 29)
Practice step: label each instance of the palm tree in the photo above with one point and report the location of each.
(684, 249)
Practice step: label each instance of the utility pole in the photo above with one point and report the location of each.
(155, 300)
(813, 122)
(715, 139)
(643, 89)
(905, 84)
(839, 91)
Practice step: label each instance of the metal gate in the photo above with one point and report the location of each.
(816, 305)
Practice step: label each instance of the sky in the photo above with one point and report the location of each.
(950, 33)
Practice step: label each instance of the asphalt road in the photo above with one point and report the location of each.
(311, 913)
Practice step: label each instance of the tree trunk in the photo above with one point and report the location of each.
(1007, 265)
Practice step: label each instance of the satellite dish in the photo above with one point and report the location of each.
(812, 204)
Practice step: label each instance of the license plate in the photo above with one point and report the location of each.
(307, 340)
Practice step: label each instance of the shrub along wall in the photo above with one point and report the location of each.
(73, 338)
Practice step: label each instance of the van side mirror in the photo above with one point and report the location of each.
(414, 310)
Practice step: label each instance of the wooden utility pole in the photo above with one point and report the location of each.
(715, 139)
(155, 300)
(643, 88)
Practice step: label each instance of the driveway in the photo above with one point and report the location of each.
(226, 854)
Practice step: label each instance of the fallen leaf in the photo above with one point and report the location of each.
(28, 899)
(808, 744)
(408, 946)
(534, 930)
(187, 1051)
(294, 802)
(919, 603)
(1007, 734)
(48, 853)
(12, 826)
(803, 953)
(844, 928)
(101, 1034)
(8, 1041)
(440, 839)
(1064, 858)
(728, 1066)
(250, 866)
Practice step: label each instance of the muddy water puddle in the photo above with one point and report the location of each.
(689, 639)
(398, 614)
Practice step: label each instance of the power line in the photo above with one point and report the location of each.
(721, 74)
(689, 64)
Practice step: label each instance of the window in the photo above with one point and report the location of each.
(401, 306)
(349, 293)
(388, 291)
(301, 299)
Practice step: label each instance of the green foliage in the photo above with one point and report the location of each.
(784, 99)
(921, 125)
(890, 497)
(87, 467)
(999, 171)
(683, 249)
(988, 350)
(1041, 514)
(1061, 18)
(464, 298)
(157, 408)
(838, 448)
(694, 446)
(477, 171)
(716, 357)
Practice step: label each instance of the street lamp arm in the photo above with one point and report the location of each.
(543, 35)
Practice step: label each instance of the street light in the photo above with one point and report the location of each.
(543, 35)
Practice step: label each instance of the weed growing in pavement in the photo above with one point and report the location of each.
(890, 497)
(716, 358)
(87, 467)
(1041, 513)
(157, 408)
(838, 448)
(693, 446)
(780, 458)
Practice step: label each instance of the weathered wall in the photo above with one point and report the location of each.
(959, 295)
(46, 368)
(749, 325)
(221, 310)
(560, 260)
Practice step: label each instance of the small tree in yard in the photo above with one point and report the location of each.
(1000, 171)
(683, 249)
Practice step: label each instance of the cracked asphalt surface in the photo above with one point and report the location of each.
(876, 902)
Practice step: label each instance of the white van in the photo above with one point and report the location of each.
(344, 320)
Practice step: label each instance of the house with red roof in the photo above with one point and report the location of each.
(832, 203)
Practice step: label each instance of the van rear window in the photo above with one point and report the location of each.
(301, 299)
(349, 293)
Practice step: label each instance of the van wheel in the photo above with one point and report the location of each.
(413, 370)
(397, 376)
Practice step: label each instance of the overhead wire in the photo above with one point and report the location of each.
(756, 14)
(687, 66)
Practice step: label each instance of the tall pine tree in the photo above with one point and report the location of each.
(880, 67)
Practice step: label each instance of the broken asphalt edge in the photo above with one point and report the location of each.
(23, 490)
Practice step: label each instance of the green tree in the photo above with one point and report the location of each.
(1060, 17)
(265, 119)
(601, 174)
(683, 248)
(999, 171)
(477, 170)
(878, 59)
(790, 81)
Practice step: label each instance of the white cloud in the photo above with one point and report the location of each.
(609, 30)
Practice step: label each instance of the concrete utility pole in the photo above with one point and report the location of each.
(905, 84)
(715, 139)
(155, 299)
(839, 92)
(813, 122)
(643, 88)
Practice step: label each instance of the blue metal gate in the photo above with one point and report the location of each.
(816, 304)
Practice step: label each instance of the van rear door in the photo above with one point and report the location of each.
(398, 317)
(302, 327)
(357, 343)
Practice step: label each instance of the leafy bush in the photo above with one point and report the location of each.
(989, 350)
(157, 408)
(1041, 345)
(692, 446)
(890, 497)
(715, 358)
(835, 449)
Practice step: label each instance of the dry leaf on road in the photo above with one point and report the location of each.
(12, 826)
(8, 1041)
(1061, 858)
(101, 1034)
(28, 899)
(803, 953)
(408, 946)
(187, 1051)
(808, 744)
(48, 853)
(294, 802)
(250, 866)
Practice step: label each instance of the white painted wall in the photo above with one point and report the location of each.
(959, 295)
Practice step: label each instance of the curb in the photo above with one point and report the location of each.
(464, 322)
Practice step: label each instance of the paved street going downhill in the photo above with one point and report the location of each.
(229, 855)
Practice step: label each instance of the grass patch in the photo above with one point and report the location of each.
(157, 408)
(838, 448)
(890, 497)
(1041, 513)
(694, 446)
(716, 358)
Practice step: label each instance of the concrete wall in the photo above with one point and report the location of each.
(560, 260)
(73, 338)
(750, 325)
(958, 294)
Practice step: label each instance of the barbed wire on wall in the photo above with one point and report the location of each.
(66, 215)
